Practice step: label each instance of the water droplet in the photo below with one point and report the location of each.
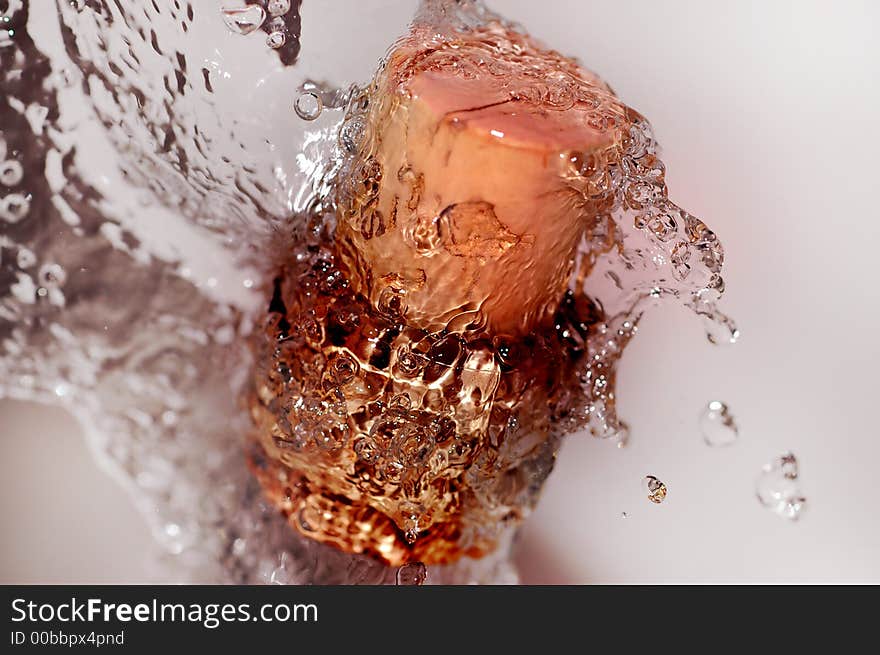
(656, 489)
(276, 39)
(308, 106)
(278, 7)
(412, 574)
(778, 490)
(244, 20)
(622, 436)
(718, 425)
(720, 330)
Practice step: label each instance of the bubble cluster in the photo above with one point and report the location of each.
(366, 406)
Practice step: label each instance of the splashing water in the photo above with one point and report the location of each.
(129, 295)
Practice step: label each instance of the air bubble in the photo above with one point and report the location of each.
(412, 574)
(718, 425)
(308, 106)
(14, 207)
(11, 173)
(276, 39)
(278, 7)
(52, 276)
(778, 489)
(25, 258)
(655, 488)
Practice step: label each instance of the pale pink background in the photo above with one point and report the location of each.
(768, 113)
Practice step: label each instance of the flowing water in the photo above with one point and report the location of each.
(146, 209)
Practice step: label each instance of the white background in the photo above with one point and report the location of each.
(768, 115)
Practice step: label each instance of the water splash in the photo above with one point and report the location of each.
(129, 282)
